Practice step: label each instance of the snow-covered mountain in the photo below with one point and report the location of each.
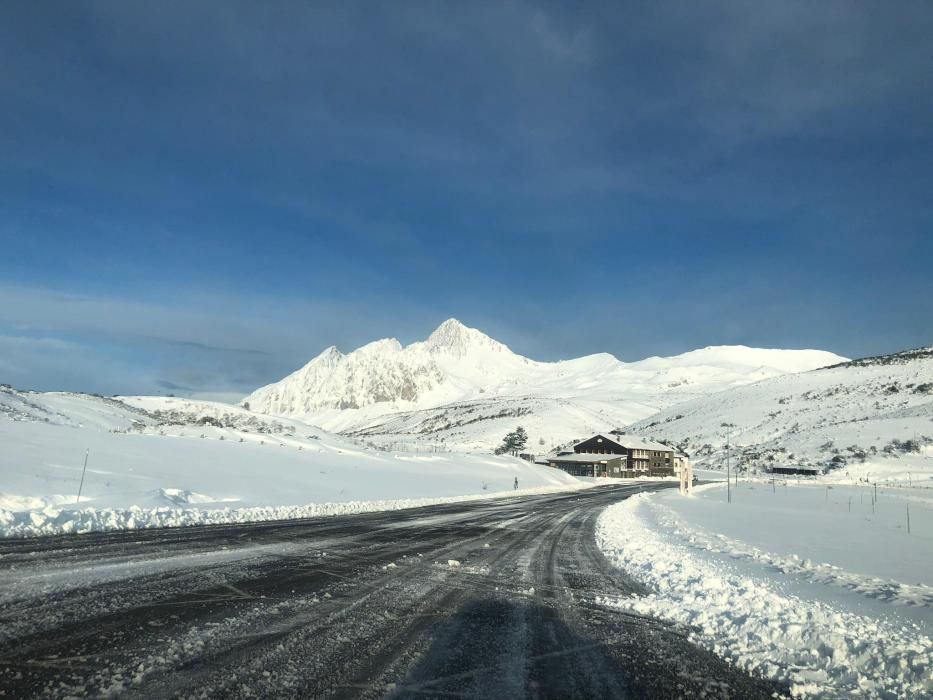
(454, 362)
(868, 415)
(464, 389)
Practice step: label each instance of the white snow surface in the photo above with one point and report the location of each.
(155, 461)
(849, 416)
(787, 582)
(465, 390)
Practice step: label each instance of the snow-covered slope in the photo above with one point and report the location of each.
(864, 415)
(462, 389)
(164, 461)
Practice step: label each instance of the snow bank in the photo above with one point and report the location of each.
(754, 609)
(51, 521)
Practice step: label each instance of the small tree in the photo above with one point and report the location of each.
(514, 442)
(521, 439)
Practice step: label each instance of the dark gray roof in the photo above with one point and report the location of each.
(632, 442)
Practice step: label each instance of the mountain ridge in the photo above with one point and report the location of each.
(457, 364)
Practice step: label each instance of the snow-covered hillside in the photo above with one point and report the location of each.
(165, 461)
(869, 415)
(464, 390)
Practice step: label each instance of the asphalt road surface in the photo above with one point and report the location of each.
(493, 599)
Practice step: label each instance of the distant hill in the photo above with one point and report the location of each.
(847, 416)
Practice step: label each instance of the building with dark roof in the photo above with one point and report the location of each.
(619, 457)
(795, 470)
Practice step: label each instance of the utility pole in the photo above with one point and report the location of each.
(83, 472)
(728, 465)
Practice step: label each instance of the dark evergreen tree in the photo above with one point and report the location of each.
(521, 439)
(514, 442)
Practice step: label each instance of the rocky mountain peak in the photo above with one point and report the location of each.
(454, 338)
(329, 357)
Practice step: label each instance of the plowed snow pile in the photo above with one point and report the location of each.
(820, 588)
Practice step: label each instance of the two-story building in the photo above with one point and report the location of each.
(618, 456)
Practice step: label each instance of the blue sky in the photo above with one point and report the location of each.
(199, 197)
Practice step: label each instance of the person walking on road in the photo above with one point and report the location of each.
(516, 483)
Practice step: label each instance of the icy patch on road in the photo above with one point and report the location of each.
(818, 650)
(55, 521)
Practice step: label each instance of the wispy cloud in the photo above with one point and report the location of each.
(207, 348)
(225, 343)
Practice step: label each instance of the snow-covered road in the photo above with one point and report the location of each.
(491, 599)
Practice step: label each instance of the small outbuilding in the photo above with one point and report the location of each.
(796, 469)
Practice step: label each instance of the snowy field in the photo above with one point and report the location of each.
(160, 461)
(818, 585)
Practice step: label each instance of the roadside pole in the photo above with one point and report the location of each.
(728, 465)
(83, 472)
